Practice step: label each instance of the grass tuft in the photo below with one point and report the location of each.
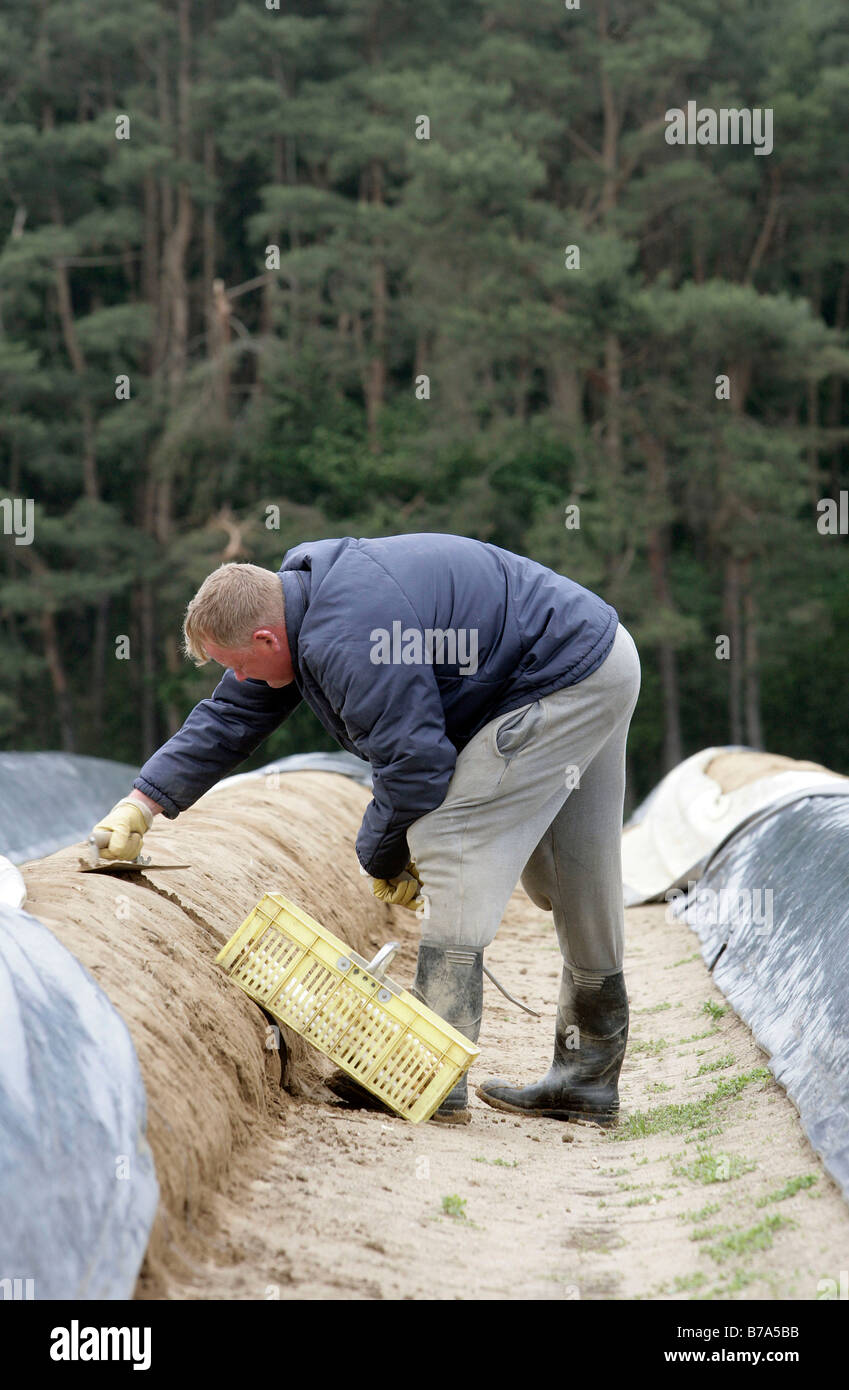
(709, 1167)
(714, 1010)
(692, 1114)
(790, 1188)
(454, 1206)
(721, 1064)
(758, 1237)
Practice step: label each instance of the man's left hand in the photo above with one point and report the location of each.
(403, 891)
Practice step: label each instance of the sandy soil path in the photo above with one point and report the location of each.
(708, 1189)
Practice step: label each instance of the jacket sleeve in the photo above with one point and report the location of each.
(220, 733)
(394, 716)
(412, 762)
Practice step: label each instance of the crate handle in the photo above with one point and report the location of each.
(377, 966)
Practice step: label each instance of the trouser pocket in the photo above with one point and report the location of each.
(516, 728)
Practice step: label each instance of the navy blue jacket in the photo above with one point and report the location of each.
(358, 613)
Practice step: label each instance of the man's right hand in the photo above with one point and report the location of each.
(125, 825)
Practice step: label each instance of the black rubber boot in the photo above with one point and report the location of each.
(589, 1046)
(449, 979)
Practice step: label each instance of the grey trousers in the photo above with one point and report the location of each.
(537, 793)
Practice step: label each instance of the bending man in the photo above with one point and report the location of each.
(492, 698)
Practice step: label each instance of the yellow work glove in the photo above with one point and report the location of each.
(403, 891)
(125, 824)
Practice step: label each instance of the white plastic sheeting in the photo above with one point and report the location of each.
(13, 890)
(78, 1192)
(344, 763)
(670, 838)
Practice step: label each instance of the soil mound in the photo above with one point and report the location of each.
(211, 1071)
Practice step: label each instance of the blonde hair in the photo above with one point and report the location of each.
(229, 606)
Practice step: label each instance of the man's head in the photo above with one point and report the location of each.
(237, 618)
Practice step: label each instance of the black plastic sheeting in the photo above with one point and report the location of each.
(49, 800)
(78, 1192)
(772, 913)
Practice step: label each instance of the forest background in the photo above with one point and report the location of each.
(250, 297)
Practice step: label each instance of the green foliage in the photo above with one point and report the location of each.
(689, 1115)
(653, 1047)
(719, 1064)
(789, 1189)
(709, 1168)
(703, 1213)
(743, 1243)
(550, 387)
(454, 1206)
(713, 1010)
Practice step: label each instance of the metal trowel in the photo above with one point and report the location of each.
(94, 864)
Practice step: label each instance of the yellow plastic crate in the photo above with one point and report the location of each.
(374, 1030)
